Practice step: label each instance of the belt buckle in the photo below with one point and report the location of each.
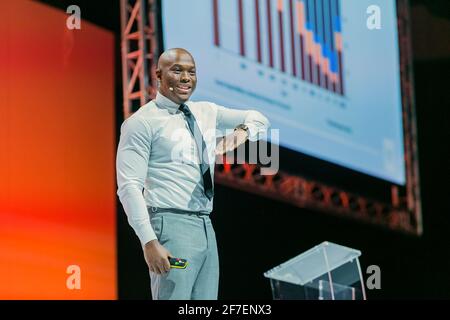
(154, 209)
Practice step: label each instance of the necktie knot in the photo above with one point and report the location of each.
(185, 109)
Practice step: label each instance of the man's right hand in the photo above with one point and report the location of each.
(157, 257)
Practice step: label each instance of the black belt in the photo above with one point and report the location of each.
(154, 210)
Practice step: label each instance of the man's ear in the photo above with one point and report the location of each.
(158, 74)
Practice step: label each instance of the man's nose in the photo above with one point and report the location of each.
(185, 76)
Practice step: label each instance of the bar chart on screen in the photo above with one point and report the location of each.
(302, 38)
(311, 66)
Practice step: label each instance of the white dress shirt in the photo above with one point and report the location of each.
(157, 160)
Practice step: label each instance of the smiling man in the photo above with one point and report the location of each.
(166, 192)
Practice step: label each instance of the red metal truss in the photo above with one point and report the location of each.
(139, 53)
(402, 213)
(307, 193)
(412, 197)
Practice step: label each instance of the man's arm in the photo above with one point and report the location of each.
(228, 119)
(131, 165)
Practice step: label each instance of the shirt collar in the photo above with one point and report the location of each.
(164, 102)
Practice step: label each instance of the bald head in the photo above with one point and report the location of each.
(176, 74)
(171, 55)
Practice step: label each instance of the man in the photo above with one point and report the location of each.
(171, 216)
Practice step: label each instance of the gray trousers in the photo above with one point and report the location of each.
(190, 237)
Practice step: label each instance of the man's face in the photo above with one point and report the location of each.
(177, 76)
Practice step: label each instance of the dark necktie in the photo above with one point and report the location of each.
(201, 147)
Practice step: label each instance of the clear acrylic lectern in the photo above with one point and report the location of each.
(326, 272)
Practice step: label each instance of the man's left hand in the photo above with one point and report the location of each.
(232, 141)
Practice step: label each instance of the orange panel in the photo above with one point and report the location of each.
(57, 149)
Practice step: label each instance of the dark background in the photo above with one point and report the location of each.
(255, 234)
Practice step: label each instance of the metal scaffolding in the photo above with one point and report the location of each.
(139, 47)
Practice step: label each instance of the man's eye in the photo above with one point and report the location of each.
(192, 73)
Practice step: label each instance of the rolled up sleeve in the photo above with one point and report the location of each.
(228, 118)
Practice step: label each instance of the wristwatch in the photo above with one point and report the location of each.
(242, 126)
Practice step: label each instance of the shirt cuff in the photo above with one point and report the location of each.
(252, 132)
(146, 234)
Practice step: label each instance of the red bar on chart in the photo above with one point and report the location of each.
(258, 33)
(301, 33)
(315, 56)
(216, 22)
(309, 50)
(269, 32)
(302, 58)
(341, 77)
(241, 28)
(280, 27)
(338, 42)
(323, 45)
(292, 23)
(317, 52)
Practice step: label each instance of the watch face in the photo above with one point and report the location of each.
(242, 126)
